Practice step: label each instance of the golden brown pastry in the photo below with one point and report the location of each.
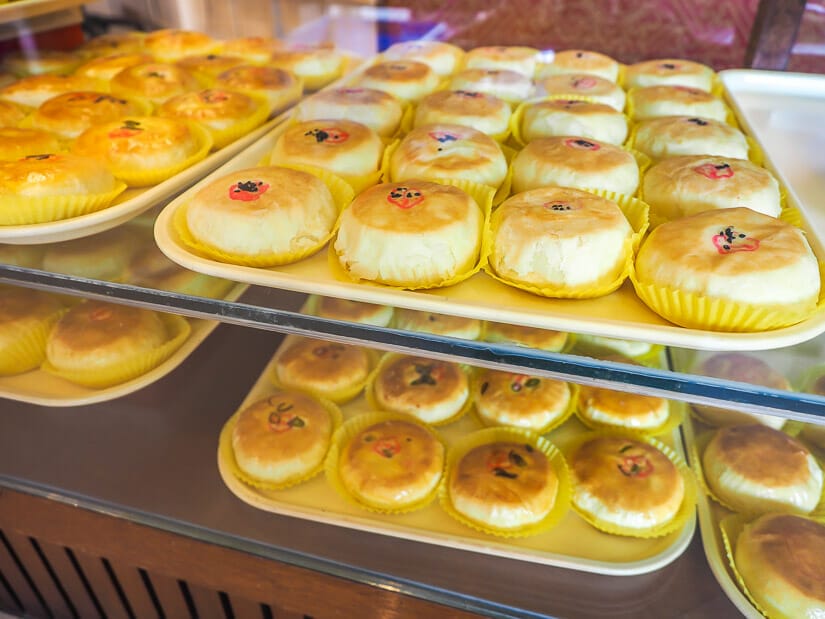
(24, 312)
(670, 72)
(354, 311)
(658, 101)
(70, 114)
(531, 337)
(406, 79)
(673, 136)
(16, 143)
(512, 58)
(443, 58)
(510, 86)
(104, 68)
(281, 88)
(375, 109)
(171, 44)
(10, 114)
(428, 389)
(581, 61)
(253, 49)
(622, 409)
(392, 464)
(151, 268)
(599, 89)
(507, 399)
(154, 81)
(438, 324)
(485, 113)
(565, 117)
(210, 65)
(35, 90)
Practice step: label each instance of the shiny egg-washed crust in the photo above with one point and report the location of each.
(210, 64)
(253, 77)
(438, 324)
(354, 311)
(22, 309)
(155, 81)
(36, 90)
(683, 254)
(622, 409)
(406, 79)
(10, 114)
(597, 88)
(106, 67)
(391, 463)
(781, 558)
(94, 334)
(57, 175)
(254, 48)
(532, 337)
(511, 86)
(683, 186)
(319, 366)
(446, 151)
(282, 436)
(582, 61)
(428, 389)
(627, 477)
(510, 58)
(504, 485)
(171, 44)
(559, 161)
(114, 43)
(70, 114)
(376, 109)
(340, 146)
(669, 72)
(443, 58)
(519, 400)
(480, 111)
(656, 101)
(673, 136)
(17, 143)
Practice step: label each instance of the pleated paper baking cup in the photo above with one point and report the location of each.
(372, 400)
(561, 505)
(517, 119)
(674, 419)
(573, 391)
(636, 213)
(177, 329)
(227, 453)
(23, 210)
(28, 349)
(686, 509)
(134, 177)
(347, 433)
(341, 193)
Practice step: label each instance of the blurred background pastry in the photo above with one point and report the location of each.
(581, 61)
(480, 111)
(153, 81)
(593, 87)
(35, 90)
(658, 101)
(510, 86)
(26, 316)
(104, 68)
(406, 79)
(565, 117)
(316, 66)
(104, 256)
(209, 66)
(441, 57)
(531, 337)
(257, 49)
(280, 87)
(672, 136)
(507, 399)
(438, 324)
(170, 44)
(10, 114)
(509, 58)
(375, 109)
(70, 114)
(670, 72)
(17, 143)
(354, 311)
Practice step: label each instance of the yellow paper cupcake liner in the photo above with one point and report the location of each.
(23, 210)
(152, 176)
(228, 453)
(686, 509)
(573, 390)
(517, 119)
(177, 329)
(407, 123)
(369, 393)
(636, 213)
(674, 419)
(28, 350)
(344, 435)
(227, 135)
(341, 193)
(492, 435)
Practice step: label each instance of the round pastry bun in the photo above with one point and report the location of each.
(781, 558)
(354, 311)
(392, 464)
(255, 49)
(57, 175)
(104, 256)
(282, 437)
(669, 72)
(151, 268)
(563, 117)
(210, 65)
(443, 58)
(10, 114)
(406, 79)
(742, 368)
(597, 88)
(154, 81)
(756, 469)
(41, 62)
(172, 44)
(733, 254)
(127, 42)
(485, 113)
(575, 162)
(442, 152)
(507, 399)
(682, 186)
(531, 337)
(343, 147)
(510, 86)
(508, 58)
(430, 390)
(621, 409)
(264, 211)
(23, 310)
(625, 482)
(415, 233)
(581, 61)
(17, 143)
(94, 335)
(375, 109)
(438, 324)
(559, 237)
(317, 66)
(280, 87)
(104, 68)
(505, 485)
(35, 90)
(70, 114)
(674, 136)
(326, 369)
(658, 101)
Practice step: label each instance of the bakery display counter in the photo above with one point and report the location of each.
(148, 460)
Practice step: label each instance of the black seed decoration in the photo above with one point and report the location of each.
(404, 192)
(409, 440)
(369, 438)
(584, 143)
(424, 375)
(250, 186)
(500, 472)
(283, 407)
(432, 318)
(131, 124)
(698, 121)
(516, 459)
(38, 157)
(387, 452)
(532, 383)
(668, 65)
(484, 386)
(529, 448)
(625, 448)
(154, 74)
(296, 422)
(579, 54)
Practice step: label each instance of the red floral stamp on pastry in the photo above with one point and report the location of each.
(631, 465)
(128, 129)
(507, 463)
(444, 136)
(404, 197)
(730, 241)
(584, 83)
(330, 135)
(714, 171)
(281, 420)
(387, 447)
(214, 96)
(581, 144)
(248, 191)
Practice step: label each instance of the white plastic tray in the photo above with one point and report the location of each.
(573, 544)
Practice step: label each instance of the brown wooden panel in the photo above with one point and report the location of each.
(45, 584)
(207, 603)
(9, 604)
(101, 584)
(70, 580)
(245, 609)
(774, 32)
(17, 581)
(135, 590)
(169, 595)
